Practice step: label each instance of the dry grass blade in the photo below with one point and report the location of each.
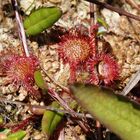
(20, 28)
(133, 81)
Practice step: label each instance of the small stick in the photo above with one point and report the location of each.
(133, 81)
(92, 14)
(61, 135)
(55, 83)
(93, 21)
(99, 131)
(80, 115)
(61, 101)
(20, 28)
(118, 10)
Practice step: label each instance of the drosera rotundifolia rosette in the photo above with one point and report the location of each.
(79, 50)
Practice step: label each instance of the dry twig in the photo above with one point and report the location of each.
(79, 115)
(115, 9)
(133, 4)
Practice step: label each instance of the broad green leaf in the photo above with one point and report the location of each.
(39, 80)
(41, 19)
(51, 119)
(19, 135)
(116, 112)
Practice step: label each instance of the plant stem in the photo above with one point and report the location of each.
(92, 14)
(118, 10)
(20, 28)
(62, 102)
(99, 131)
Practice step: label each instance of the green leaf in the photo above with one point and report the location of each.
(116, 112)
(1, 120)
(19, 135)
(41, 19)
(51, 119)
(102, 22)
(39, 80)
(5, 131)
